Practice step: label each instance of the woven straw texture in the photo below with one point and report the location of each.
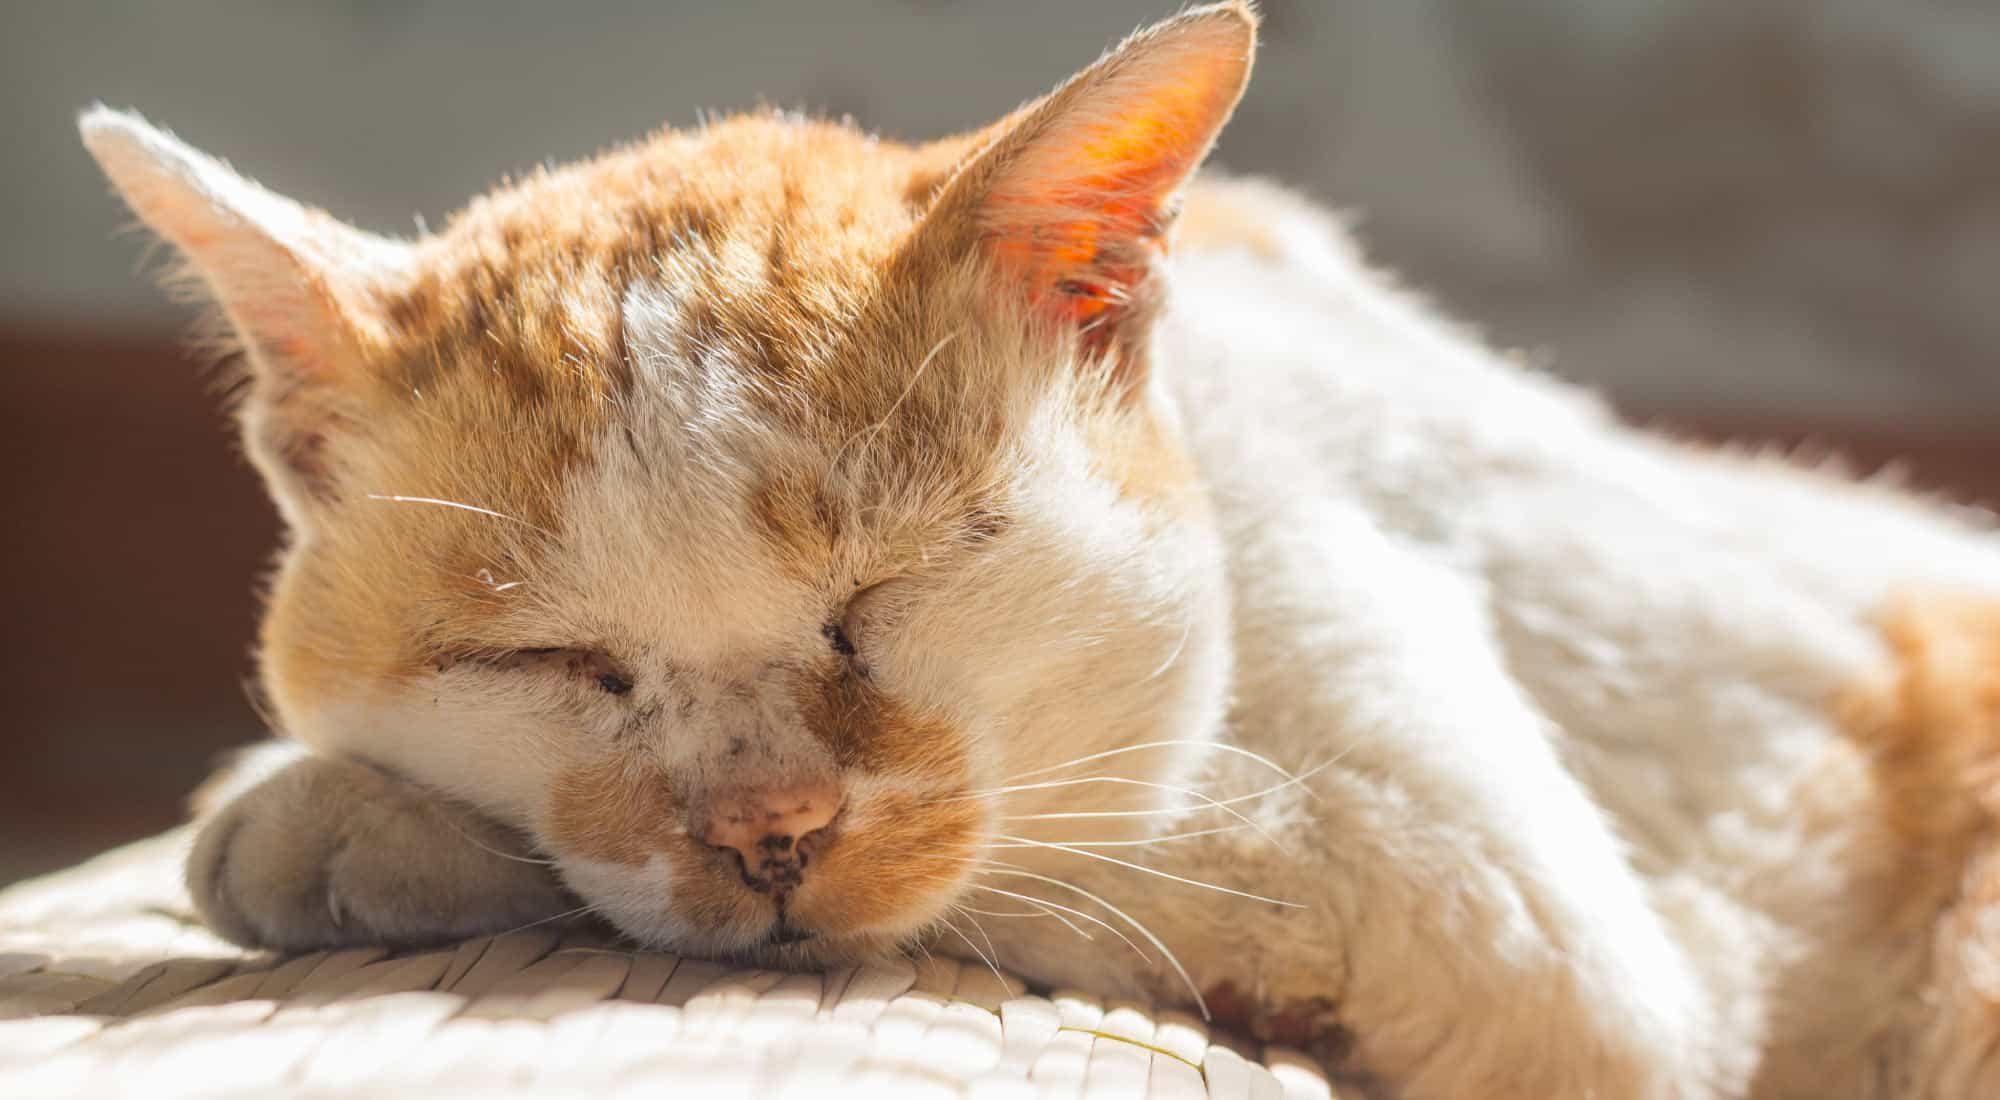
(109, 987)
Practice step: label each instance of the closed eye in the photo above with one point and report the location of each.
(860, 625)
(584, 666)
(836, 635)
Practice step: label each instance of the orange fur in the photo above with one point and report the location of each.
(1216, 218)
(520, 290)
(492, 442)
(735, 395)
(822, 260)
(824, 217)
(865, 728)
(877, 879)
(610, 811)
(1930, 729)
(1932, 726)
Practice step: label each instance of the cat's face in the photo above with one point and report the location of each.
(749, 515)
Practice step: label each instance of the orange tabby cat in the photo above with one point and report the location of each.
(798, 546)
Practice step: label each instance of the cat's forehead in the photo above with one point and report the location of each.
(756, 207)
(754, 171)
(762, 244)
(700, 371)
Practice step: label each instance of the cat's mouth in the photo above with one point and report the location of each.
(832, 896)
(786, 945)
(783, 933)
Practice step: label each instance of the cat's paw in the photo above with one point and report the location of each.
(327, 853)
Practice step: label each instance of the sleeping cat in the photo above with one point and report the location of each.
(796, 546)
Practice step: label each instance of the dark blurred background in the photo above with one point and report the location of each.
(1776, 219)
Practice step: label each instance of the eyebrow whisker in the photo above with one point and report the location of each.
(461, 506)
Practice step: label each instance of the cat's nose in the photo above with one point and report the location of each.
(773, 829)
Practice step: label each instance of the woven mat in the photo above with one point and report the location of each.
(109, 987)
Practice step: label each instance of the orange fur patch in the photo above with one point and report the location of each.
(868, 729)
(1931, 728)
(881, 377)
(896, 867)
(884, 875)
(1216, 218)
(1147, 462)
(612, 811)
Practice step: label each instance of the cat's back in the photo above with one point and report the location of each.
(1298, 365)
(1780, 684)
(1691, 620)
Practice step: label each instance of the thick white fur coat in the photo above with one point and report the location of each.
(1574, 681)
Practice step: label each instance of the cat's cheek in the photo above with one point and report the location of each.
(637, 900)
(617, 830)
(493, 760)
(897, 867)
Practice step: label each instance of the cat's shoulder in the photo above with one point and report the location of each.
(1266, 220)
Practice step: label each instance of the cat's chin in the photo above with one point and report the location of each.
(813, 952)
(821, 953)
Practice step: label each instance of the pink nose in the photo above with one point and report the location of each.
(773, 829)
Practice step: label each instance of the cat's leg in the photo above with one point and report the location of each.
(1497, 940)
(299, 852)
(1467, 923)
(1438, 960)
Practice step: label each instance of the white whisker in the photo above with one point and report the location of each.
(990, 949)
(875, 429)
(1172, 959)
(1118, 780)
(1187, 628)
(1143, 869)
(490, 850)
(1022, 913)
(1046, 909)
(983, 957)
(1218, 746)
(1236, 800)
(1057, 910)
(1126, 843)
(460, 506)
(578, 911)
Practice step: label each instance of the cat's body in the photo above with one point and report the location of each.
(693, 509)
(1522, 611)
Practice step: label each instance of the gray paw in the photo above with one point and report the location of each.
(330, 853)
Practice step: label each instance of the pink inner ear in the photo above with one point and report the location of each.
(1083, 265)
(1080, 211)
(295, 282)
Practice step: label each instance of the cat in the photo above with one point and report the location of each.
(794, 545)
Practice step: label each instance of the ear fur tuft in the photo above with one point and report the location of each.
(301, 290)
(1074, 194)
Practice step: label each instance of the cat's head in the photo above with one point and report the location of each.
(753, 516)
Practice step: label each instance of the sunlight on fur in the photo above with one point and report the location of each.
(800, 547)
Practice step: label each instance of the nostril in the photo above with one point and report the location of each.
(810, 844)
(742, 865)
(772, 831)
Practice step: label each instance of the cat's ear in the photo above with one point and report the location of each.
(1073, 194)
(302, 292)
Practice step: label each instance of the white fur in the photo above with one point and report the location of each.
(1569, 679)
(1078, 630)
(1573, 677)
(1567, 684)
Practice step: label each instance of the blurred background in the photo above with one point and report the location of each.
(1771, 219)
